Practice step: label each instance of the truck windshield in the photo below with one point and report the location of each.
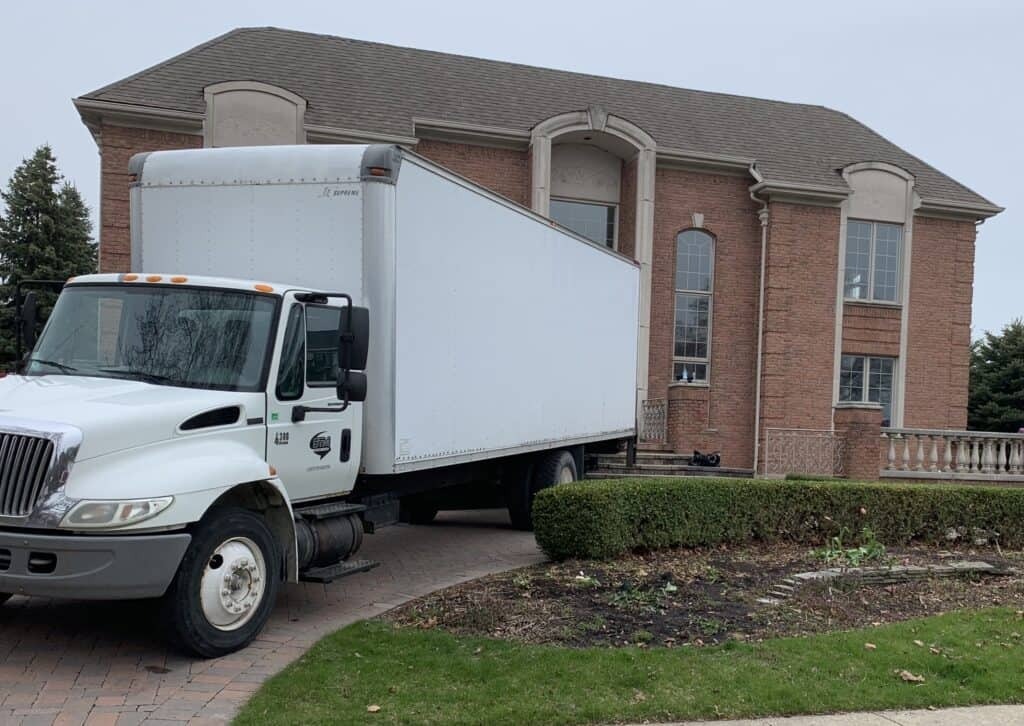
(176, 336)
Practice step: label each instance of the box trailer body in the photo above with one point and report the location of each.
(313, 334)
(493, 332)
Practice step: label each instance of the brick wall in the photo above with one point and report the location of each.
(722, 417)
(871, 330)
(627, 210)
(117, 146)
(505, 171)
(859, 424)
(939, 324)
(799, 321)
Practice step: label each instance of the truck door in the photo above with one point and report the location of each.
(318, 456)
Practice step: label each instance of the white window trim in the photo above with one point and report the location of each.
(866, 373)
(911, 202)
(615, 227)
(871, 265)
(710, 294)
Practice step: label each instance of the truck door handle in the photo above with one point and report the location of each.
(346, 444)
(299, 412)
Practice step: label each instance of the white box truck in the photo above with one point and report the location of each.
(314, 334)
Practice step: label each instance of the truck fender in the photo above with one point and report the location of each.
(200, 472)
(268, 498)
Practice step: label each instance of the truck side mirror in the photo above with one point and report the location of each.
(28, 316)
(354, 343)
(351, 386)
(353, 349)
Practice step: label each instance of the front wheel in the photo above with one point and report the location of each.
(226, 584)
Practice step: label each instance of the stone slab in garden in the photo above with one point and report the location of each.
(888, 575)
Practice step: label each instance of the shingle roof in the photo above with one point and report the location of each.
(356, 84)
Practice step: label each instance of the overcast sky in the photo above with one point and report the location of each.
(944, 80)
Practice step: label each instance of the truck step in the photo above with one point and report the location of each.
(330, 573)
(331, 509)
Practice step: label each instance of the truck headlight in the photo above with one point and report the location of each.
(114, 513)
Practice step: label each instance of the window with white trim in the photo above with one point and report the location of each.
(874, 251)
(694, 282)
(868, 379)
(594, 221)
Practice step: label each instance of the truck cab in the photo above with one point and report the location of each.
(156, 407)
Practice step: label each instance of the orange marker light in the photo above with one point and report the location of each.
(130, 278)
(179, 278)
(273, 471)
(154, 278)
(263, 288)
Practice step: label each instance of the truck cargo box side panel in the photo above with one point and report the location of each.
(510, 334)
(246, 213)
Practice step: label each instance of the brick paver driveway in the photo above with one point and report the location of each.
(104, 663)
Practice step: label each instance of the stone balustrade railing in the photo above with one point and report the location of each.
(963, 455)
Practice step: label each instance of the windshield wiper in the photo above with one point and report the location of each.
(145, 376)
(62, 367)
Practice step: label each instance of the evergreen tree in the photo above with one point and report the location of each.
(996, 401)
(44, 235)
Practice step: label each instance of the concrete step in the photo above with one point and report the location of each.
(665, 472)
(644, 457)
(653, 446)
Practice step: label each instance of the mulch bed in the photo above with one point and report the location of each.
(702, 597)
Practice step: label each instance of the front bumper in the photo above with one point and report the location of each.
(90, 568)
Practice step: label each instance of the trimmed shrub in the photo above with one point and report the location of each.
(607, 518)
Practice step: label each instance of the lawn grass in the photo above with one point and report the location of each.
(431, 677)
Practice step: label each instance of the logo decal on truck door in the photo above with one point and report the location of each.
(320, 444)
(281, 438)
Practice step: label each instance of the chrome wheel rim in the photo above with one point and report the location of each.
(233, 585)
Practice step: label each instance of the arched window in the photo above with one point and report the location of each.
(695, 273)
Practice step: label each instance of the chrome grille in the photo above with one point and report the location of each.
(24, 463)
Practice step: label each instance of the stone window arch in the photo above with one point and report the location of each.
(250, 113)
(636, 206)
(876, 232)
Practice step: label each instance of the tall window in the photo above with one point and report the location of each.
(868, 379)
(694, 282)
(596, 222)
(873, 254)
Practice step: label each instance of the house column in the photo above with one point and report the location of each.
(540, 175)
(644, 255)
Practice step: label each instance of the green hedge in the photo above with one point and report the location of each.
(600, 519)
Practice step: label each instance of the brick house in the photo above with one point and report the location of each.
(792, 260)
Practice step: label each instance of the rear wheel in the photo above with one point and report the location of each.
(226, 584)
(549, 469)
(418, 513)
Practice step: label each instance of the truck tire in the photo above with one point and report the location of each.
(226, 584)
(549, 469)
